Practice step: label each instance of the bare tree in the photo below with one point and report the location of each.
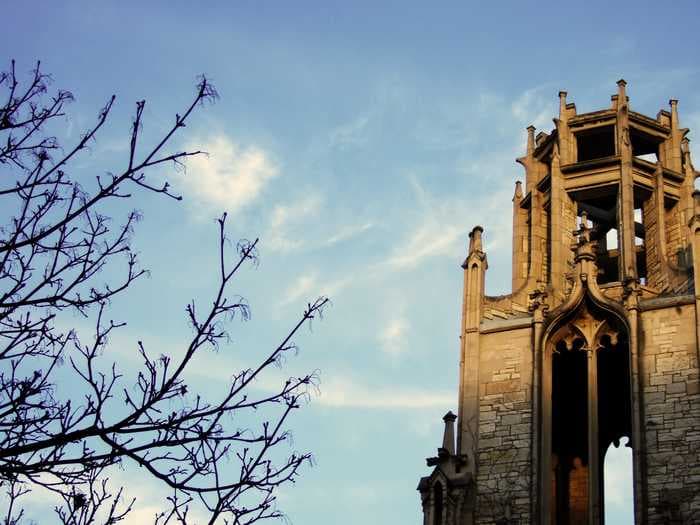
(226, 454)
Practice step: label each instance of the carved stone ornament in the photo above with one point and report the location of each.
(586, 327)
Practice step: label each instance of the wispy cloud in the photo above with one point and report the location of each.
(428, 240)
(347, 393)
(534, 107)
(393, 336)
(309, 286)
(230, 176)
(348, 232)
(353, 133)
(302, 287)
(434, 232)
(286, 231)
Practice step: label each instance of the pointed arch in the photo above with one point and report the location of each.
(584, 290)
(570, 368)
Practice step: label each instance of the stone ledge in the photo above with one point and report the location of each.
(666, 302)
(501, 325)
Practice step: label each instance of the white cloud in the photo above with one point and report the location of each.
(344, 392)
(286, 230)
(230, 176)
(439, 228)
(428, 240)
(436, 231)
(534, 106)
(302, 287)
(393, 337)
(307, 287)
(349, 232)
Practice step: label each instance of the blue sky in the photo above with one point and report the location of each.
(360, 143)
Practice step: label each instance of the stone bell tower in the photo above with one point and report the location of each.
(598, 340)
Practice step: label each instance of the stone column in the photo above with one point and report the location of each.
(557, 259)
(660, 240)
(687, 191)
(637, 438)
(538, 310)
(520, 243)
(474, 274)
(674, 162)
(545, 487)
(593, 446)
(628, 268)
(695, 245)
(564, 136)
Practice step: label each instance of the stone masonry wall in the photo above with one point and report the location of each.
(569, 211)
(505, 419)
(673, 233)
(671, 421)
(655, 277)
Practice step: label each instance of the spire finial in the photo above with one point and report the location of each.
(448, 438)
(621, 91)
(674, 113)
(562, 104)
(530, 139)
(475, 243)
(518, 190)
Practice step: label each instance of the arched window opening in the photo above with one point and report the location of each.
(608, 257)
(618, 486)
(437, 504)
(600, 206)
(644, 146)
(590, 408)
(615, 425)
(570, 433)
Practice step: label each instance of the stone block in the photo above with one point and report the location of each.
(486, 428)
(487, 415)
(521, 429)
(511, 419)
(490, 443)
(655, 397)
(515, 397)
(500, 387)
(660, 380)
(676, 388)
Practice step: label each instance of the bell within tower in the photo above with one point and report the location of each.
(596, 345)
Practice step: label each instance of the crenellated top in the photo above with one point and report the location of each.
(627, 177)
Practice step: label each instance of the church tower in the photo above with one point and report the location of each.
(597, 342)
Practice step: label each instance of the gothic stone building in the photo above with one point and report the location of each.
(597, 341)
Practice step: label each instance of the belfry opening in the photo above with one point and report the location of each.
(590, 409)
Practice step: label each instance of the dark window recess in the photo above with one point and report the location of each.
(596, 143)
(640, 244)
(608, 270)
(437, 504)
(614, 402)
(643, 145)
(608, 256)
(570, 433)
